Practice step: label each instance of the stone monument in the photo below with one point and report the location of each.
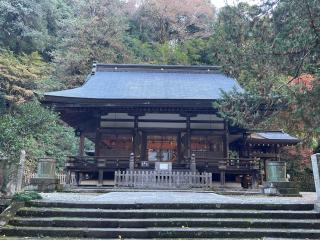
(46, 180)
(315, 159)
(276, 180)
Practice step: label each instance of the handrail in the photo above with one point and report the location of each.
(229, 163)
(97, 157)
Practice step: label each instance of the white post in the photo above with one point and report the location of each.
(131, 161)
(193, 167)
(20, 171)
(315, 169)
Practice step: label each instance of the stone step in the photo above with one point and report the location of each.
(166, 222)
(161, 232)
(251, 206)
(165, 213)
(62, 238)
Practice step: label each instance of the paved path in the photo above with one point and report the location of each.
(172, 197)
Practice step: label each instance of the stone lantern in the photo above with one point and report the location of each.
(45, 180)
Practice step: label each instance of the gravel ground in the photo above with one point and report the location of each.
(172, 197)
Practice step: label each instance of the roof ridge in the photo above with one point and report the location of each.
(101, 67)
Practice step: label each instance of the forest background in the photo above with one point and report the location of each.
(272, 49)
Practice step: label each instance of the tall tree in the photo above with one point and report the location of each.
(93, 34)
(165, 20)
(31, 25)
(21, 75)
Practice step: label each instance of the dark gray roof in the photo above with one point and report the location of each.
(276, 135)
(272, 136)
(152, 82)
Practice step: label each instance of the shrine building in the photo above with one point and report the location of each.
(160, 118)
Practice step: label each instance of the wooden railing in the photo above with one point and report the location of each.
(229, 163)
(122, 162)
(109, 162)
(162, 180)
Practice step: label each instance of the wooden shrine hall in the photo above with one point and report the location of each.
(159, 119)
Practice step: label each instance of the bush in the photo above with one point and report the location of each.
(26, 196)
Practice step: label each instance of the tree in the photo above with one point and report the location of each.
(37, 130)
(165, 20)
(31, 25)
(94, 33)
(21, 75)
(268, 48)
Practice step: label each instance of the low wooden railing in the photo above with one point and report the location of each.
(122, 162)
(97, 161)
(229, 163)
(162, 180)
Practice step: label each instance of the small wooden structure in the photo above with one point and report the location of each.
(161, 114)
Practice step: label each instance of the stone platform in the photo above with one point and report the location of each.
(173, 197)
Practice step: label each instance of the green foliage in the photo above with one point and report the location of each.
(267, 48)
(174, 20)
(26, 196)
(37, 130)
(94, 33)
(21, 74)
(31, 25)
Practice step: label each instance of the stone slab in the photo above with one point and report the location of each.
(173, 197)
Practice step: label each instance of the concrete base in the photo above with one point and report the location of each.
(281, 188)
(317, 206)
(45, 184)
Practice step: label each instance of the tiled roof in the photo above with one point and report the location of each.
(116, 81)
(272, 136)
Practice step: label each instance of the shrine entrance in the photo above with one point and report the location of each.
(161, 147)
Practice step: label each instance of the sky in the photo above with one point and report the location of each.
(221, 3)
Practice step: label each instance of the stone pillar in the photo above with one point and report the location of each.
(315, 158)
(20, 171)
(222, 168)
(100, 178)
(131, 161)
(222, 178)
(193, 167)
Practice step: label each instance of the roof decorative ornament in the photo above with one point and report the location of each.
(94, 68)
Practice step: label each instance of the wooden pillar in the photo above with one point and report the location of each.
(223, 164)
(97, 142)
(97, 154)
(226, 140)
(179, 155)
(135, 146)
(81, 145)
(188, 131)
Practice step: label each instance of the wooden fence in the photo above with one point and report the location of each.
(162, 180)
(61, 176)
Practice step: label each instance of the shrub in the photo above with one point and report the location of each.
(26, 196)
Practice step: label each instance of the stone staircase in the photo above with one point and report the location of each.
(147, 221)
